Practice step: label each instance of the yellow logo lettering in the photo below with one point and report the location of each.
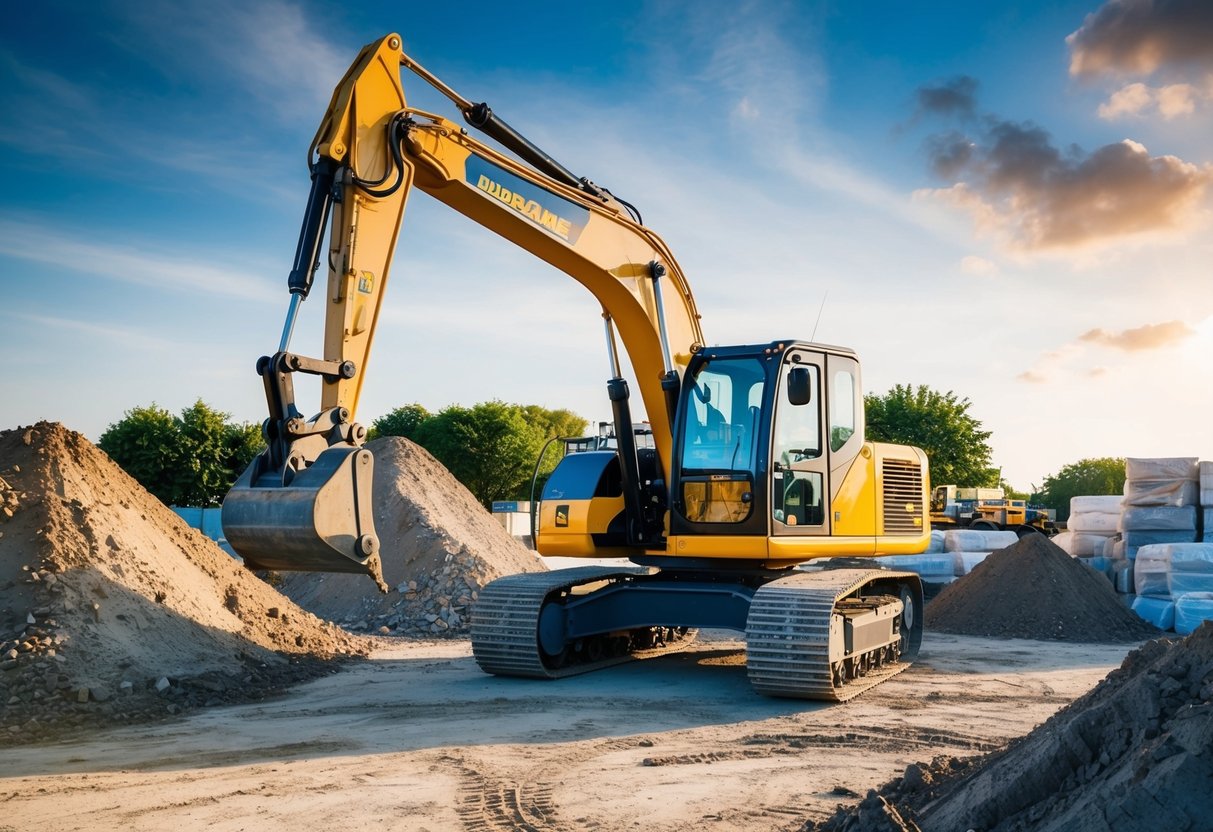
(529, 208)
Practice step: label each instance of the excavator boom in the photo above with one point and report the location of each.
(370, 152)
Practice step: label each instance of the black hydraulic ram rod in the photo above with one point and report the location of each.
(481, 117)
(315, 217)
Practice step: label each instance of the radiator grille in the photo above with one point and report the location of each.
(903, 509)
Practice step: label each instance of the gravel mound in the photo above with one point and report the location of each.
(1133, 755)
(113, 610)
(1033, 589)
(439, 547)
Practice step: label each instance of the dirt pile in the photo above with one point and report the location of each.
(112, 609)
(1033, 589)
(439, 548)
(1134, 754)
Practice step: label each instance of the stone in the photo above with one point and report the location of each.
(385, 630)
(272, 612)
(82, 695)
(29, 618)
(8, 664)
(126, 687)
(163, 684)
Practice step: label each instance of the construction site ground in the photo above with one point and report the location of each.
(417, 738)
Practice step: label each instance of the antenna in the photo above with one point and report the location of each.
(813, 337)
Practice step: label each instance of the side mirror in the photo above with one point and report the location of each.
(800, 388)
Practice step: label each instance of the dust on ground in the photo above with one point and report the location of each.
(418, 738)
(112, 609)
(1034, 589)
(438, 545)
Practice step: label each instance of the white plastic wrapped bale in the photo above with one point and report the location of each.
(1206, 524)
(935, 547)
(1122, 571)
(1158, 518)
(1102, 503)
(1152, 570)
(1064, 540)
(1109, 546)
(1191, 568)
(1158, 611)
(1151, 537)
(1161, 492)
(933, 568)
(1081, 544)
(1101, 565)
(1206, 484)
(1094, 522)
(1193, 610)
(977, 540)
(966, 562)
(1162, 468)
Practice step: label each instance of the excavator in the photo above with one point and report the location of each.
(758, 465)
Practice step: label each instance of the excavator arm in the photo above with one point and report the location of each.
(305, 503)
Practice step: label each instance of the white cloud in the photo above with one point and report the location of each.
(978, 266)
(129, 264)
(1138, 100)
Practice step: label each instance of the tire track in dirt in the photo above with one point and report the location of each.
(520, 798)
(760, 746)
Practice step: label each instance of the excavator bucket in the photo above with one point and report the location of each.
(319, 521)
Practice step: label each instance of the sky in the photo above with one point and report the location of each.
(1011, 201)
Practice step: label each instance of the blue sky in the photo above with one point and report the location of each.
(1009, 201)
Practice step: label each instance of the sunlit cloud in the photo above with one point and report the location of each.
(1069, 358)
(1171, 101)
(978, 266)
(1147, 337)
(1022, 188)
(1138, 37)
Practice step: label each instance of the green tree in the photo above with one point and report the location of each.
(1102, 475)
(957, 448)
(403, 421)
(191, 459)
(490, 447)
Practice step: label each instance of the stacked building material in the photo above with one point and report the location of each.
(1174, 584)
(1160, 502)
(1093, 521)
(1206, 501)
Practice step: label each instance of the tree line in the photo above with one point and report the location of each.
(492, 447)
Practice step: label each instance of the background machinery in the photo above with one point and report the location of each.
(758, 463)
(987, 508)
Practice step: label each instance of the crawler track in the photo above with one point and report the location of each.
(505, 625)
(793, 632)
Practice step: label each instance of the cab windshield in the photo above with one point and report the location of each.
(720, 440)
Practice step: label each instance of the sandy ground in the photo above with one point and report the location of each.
(419, 739)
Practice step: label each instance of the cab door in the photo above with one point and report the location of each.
(799, 465)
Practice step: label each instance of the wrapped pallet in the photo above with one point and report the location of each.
(1206, 486)
(1160, 502)
(1168, 518)
(1094, 518)
(977, 540)
(1193, 610)
(1162, 481)
(1158, 611)
(1152, 570)
(1191, 569)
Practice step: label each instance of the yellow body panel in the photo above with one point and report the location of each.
(717, 546)
(853, 507)
(565, 528)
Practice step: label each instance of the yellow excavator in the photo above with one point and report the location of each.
(758, 463)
